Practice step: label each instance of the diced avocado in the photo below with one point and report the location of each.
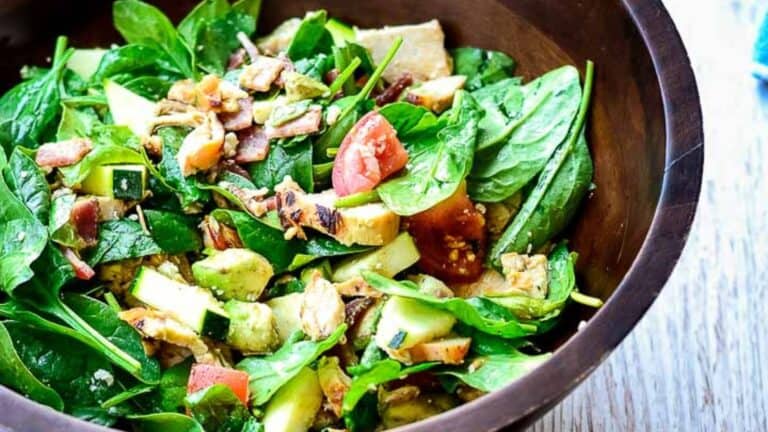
(252, 327)
(431, 285)
(294, 406)
(127, 182)
(262, 109)
(388, 260)
(299, 87)
(85, 61)
(129, 109)
(238, 274)
(193, 306)
(404, 412)
(407, 322)
(341, 31)
(287, 311)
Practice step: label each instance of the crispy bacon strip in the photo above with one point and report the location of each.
(253, 145)
(82, 270)
(304, 125)
(85, 218)
(239, 120)
(63, 153)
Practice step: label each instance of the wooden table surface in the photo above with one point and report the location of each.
(698, 361)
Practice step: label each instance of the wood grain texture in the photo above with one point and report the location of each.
(698, 361)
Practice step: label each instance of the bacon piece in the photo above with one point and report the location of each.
(253, 145)
(219, 236)
(308, 123)
(82, 270)
(85, 217)
(236, 59)
(239, 120)
(392, 93)
(63, 153)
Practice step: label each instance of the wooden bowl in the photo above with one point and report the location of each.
(645, 134)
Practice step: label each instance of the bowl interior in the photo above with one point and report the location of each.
(626, 128)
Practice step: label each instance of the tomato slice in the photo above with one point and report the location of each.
(451, 238)
(203, 376)
(368, 154)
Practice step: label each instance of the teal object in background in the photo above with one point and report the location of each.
(760, 56)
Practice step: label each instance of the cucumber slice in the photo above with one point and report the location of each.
(85, 62)
(129, 109)
(407, 322)
(117, 181)
(294, 406)
(193, 306)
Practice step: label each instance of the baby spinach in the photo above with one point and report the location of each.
(122, 239)
(559, 190)
(188, 189)
(311, 38)
(165, 422)
(76, 122)
(15, 374)
(285, 159)
(172, 232)
(549, 106)
(437, 164)
(482, 67)
(501, 102)
(271, 372)
(26, 181)
(60, 227)
(477, 312)
(142, 69)
(28, 110)
(169, 393)
(217, 409)
(493, 372)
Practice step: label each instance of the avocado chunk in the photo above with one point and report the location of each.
(299, 87)
(294, 406)
(287, 311)
(252, 327)
(388, 260)
(406, 322)
(238, 274)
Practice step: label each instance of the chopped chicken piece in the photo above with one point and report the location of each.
(437, 95)
(183, 91)
(261, 74)
(217, 95)
(203, 147)
(62, 153)
(253, 200)
(334, 382)
(448, 351)
(490, 284)
(322, 309)
(526, 274)
(306, 124)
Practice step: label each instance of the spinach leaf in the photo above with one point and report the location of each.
(82, 378)
(315, 67)
(482, 67)
(496, 371)
(22, 235)
(365, 415)
(501, 102)
(294, 159)
(311, 38)
(60, 228)
(105, 320)
(170, 392)
(382, 372)
(28, 110)
(142, 69)
(271, 372)
(562, 281)
(188, 189)
(477, 312)
(217, 409)
(27, 182)
(437, 164)
(549, 106)
(344, 55)
(165, 422)
(76, 123)
(111, 145)
(559, 190)
(211, 30)
(122, 239)
(267, 240)
(14, 374)
(144, 24)
(173, 233)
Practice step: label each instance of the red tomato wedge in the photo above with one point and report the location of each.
(203, 376)
(451, 238)
(368, 154)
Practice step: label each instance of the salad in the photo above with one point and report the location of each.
(323, 228)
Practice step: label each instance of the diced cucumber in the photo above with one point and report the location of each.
(388, 260)
(294, 406)
(129, 109)
(117, 181)
(193, 306)
(239, 274)
(86, 61)
(407, 322)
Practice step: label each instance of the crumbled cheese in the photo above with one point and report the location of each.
(104, 376)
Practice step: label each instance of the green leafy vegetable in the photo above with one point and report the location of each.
(111, 145)
(143, 69)
(60, 227)
(170, 392)
(14, 374)
(559, 190)
(482, 67)
(437, 164)
(217, 409)
(76, 123)
(269, 373)
(172, 232)
(122, 239)
(289, 159)
(548, 107)
(312, 38)
(27, 182)
(477, 312)
(165, 422)
(496, 371)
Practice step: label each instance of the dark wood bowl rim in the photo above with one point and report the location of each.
(521, 401)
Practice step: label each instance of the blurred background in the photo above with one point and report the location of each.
(698, 361)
